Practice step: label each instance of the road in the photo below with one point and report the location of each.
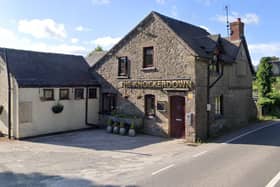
(250, 159)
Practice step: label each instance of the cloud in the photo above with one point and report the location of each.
(45, 28)
(101, 2)
(10, 39)
(161, 2)
(204, 27)
(207, 2)
(81, 28)
(174, 11)
(249, 18)
(106, 42)
(260, 50)
(74, 40)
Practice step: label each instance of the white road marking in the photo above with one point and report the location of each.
(247, 133)
(162, 169)
(199, 154)
(274, 181)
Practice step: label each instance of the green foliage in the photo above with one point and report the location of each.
(264, 77)
(98, 48)
(121, 124)
(57, 108)
(109, 122)
(132, 126)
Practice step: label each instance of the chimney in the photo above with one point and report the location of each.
(236, 30)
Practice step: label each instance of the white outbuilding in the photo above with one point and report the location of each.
(44, 93)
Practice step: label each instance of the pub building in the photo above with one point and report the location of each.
(183, 81)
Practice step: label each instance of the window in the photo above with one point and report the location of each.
(148, 57)
(215, 65)
(63, 94)
(79, 93)
(219, 105)
(150, 105)
(48, 94)
(109, 102)
(92, 93)
(123, 66)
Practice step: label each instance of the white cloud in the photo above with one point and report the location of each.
(204, 27)
(45, 28)
(174, 11)
(160, 2)
(249, 18)
(260, 50)
(10, 39)
(74, 40)
(207, 2)
(100, 2)
(81, 28)
(106, 42)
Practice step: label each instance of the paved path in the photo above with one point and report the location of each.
(248, 159)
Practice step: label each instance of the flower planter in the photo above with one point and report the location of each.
(58, 108)
(122, 131)
(109, 129)
(116, 130)
(131, 132)
(1, 109)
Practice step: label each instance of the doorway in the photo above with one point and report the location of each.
(177, 116)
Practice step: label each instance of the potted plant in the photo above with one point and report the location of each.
(109, 126)
(131, 131)
(122, 128)
(57, 108)
(116, 128)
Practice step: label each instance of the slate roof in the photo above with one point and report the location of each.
(38, 69)
(200, 42)
(94, 57)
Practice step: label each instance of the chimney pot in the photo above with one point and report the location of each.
(236, 30)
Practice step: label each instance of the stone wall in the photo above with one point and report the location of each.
(172, 61)
(236, 88)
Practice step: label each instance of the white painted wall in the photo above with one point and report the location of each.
(3, 97)
(44, 121)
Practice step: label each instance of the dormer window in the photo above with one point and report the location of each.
(123, 66)
(215, 65)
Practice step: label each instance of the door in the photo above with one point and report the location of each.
(177, 116)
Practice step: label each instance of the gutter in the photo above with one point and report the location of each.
(9, 96)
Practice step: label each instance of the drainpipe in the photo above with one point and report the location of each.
(9, 96)
(209, 86)
(86, 114)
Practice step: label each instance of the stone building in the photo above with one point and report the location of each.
(33, 83)
(183, 81)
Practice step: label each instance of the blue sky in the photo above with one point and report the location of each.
(78, 26)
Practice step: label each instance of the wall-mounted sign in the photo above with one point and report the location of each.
(158, 84)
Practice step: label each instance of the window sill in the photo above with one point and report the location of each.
(122, 77)
(149, 69)
(150, 117)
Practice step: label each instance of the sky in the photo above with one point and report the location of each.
(78, 26)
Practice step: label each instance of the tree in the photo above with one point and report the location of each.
(98, 48)
(264, 77)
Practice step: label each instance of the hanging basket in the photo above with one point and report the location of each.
(58, 108)
(1, 109)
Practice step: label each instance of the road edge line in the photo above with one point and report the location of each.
(249, 132)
